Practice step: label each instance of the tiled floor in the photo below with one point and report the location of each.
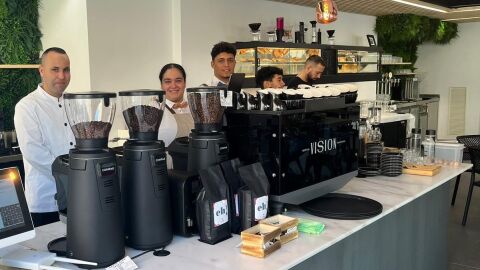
(464, 241)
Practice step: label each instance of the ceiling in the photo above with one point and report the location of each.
(456, 9)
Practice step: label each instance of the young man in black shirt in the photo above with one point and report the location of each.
(313, 69)
(270, 77)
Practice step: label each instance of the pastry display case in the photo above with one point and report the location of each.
(343, 63)
(355, 61)
(290, 60)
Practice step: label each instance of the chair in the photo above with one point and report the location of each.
(472, 144)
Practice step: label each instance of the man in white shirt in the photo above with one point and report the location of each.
(43, 134)
(223, 63)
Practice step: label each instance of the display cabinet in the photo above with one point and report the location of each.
(343, 63)
(356, 61)
(290, 60)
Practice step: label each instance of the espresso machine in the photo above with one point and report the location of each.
(145, 193)
(94, 224)
(205, 146)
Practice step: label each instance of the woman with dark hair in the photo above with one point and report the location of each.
(177, 119)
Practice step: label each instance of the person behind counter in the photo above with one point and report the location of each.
(270, 77)
(223, 63)
(313, 69)
(177, 120)
(43, 134)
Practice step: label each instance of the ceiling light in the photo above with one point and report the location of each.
(463, 10)
(459, 19)
(326, 11)
(420, 6)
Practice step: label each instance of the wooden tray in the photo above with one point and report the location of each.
(287, 225)
(425, 170)
(260, 240)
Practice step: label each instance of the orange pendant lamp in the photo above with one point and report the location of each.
(326, 11)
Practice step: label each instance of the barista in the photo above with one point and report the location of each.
(43, 134)
(223, 63)
(270, 77)
(312, 71)
(177, 120)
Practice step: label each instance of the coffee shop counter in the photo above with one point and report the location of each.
(410, 233)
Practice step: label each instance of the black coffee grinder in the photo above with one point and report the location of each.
(207, 143)
(145, 193)
(94, 218)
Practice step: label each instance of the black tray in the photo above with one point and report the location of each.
(343, 206)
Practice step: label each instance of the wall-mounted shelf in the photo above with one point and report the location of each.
(396, 64)
(404, 74)
(19, 66)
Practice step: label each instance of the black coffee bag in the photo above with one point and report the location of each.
(254, 196)
(230, 171)
(213, 207)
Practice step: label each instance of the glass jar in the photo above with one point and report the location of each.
(416, 142)
(428, 147)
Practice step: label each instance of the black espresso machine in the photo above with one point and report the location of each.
(307, 148)
(87, 184)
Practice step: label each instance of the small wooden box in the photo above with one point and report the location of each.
(287, 225)
(260, 240)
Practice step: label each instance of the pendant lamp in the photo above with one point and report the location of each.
(326, 11)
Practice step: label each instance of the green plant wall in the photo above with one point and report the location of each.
(400, 34)
(19, 44)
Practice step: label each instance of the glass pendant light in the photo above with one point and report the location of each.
(326, 11)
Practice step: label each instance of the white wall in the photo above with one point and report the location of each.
(129, 42)
(207, 22)
(453, 65)
(64, 24)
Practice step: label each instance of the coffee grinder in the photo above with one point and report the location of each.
(145, 193)
(94, 219)
(207, 143)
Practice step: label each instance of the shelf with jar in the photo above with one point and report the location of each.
(344, 63)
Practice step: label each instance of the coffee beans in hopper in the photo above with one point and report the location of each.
(91, 130)
(209, 112)
(143, 118)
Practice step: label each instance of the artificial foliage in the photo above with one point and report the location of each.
(400, 34)
(19, 44)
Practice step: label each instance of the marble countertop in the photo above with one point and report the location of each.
(189, 253)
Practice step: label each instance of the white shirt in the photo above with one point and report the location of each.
(214, 81)
(43, 134)
(168, 127)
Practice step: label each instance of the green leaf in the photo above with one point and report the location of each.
(400, 34)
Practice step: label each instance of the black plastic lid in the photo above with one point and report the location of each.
(431, 132)
(90, 95)
(201, 89)
(141, 92)
(416, 130)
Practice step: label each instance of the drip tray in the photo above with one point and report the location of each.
(343, 206)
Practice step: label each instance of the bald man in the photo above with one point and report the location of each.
(313, 69)
(43, 134)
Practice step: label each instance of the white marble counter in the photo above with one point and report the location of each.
(189, 253)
